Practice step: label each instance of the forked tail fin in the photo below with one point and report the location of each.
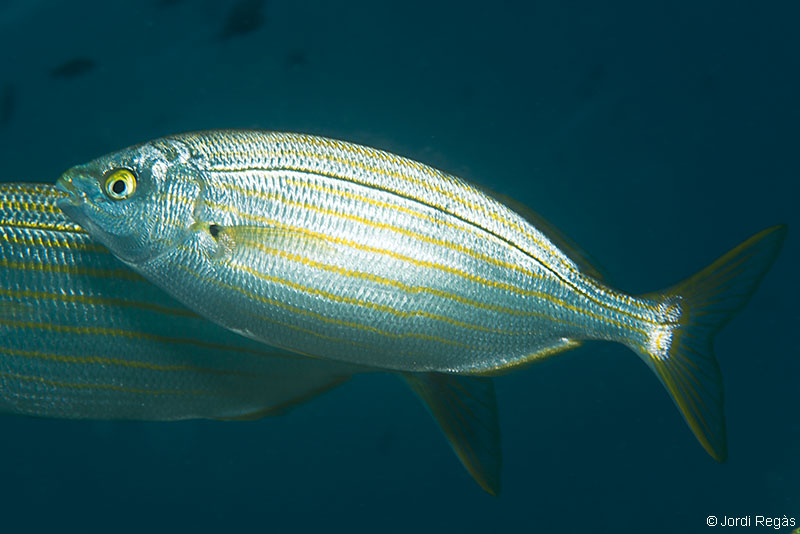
(680, 351)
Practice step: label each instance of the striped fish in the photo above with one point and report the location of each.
(340, 251)
(84, 337)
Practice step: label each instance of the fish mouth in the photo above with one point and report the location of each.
(75, 196)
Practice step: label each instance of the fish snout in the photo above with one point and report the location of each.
(65, 184)
(73, 183)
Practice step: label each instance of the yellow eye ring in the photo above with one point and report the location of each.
(120, 183)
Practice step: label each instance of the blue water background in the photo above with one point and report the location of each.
(656, 134)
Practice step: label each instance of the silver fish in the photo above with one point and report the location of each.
(340, 251)
(84, 337)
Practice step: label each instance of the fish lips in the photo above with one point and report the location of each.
(75, 196)
(76, 201)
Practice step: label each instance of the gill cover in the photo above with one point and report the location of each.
(138, 201)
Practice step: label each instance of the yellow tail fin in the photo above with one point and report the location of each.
(683, 358)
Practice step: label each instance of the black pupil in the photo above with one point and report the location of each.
(119, 187)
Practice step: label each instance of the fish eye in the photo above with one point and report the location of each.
(120, 183)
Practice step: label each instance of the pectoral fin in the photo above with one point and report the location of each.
(466, 409)
(233, 239)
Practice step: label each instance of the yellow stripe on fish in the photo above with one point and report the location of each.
(432, 265)
(50, 242)
(124, 333)
(320, 317)
(95, 301)
(426, 177)
(69, 269)
(647, 309)
(388, 282)
(101, 387)
(116, 362)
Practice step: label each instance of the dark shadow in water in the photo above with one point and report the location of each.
(592, 82)
(74, 67)
(244, 17)
(295, 60)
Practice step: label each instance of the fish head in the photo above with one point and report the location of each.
(139, 202)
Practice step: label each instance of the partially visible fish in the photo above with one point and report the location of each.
(84, 337)
(340, 251)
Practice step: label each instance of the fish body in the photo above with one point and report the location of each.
(340, 251)
(327, 248)
(84, 337)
